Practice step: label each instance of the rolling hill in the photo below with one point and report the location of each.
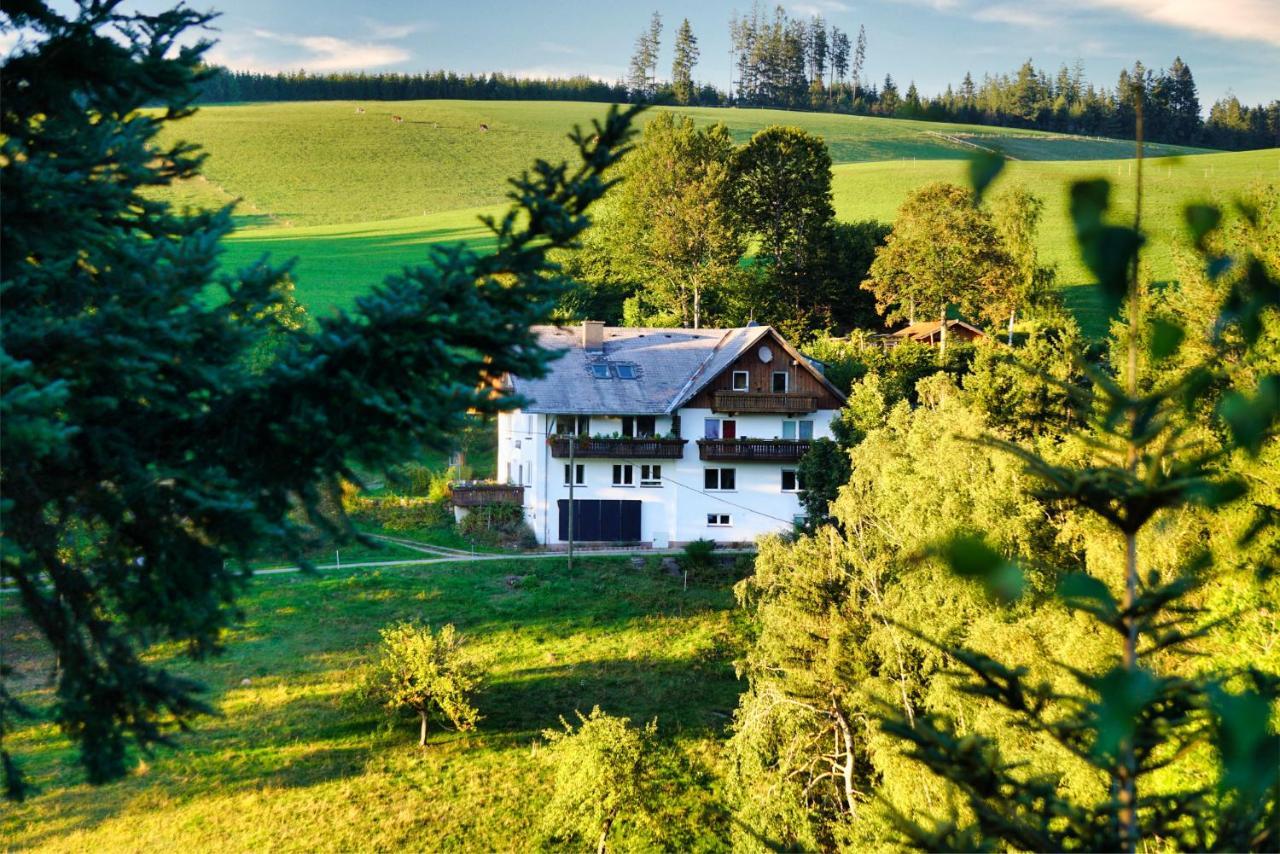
(357, 196)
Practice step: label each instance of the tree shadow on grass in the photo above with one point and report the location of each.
(694, 697)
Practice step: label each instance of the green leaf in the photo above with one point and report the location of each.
(970, 556)
(984, 167)
(1107, 250)
(1089, 201)
(1202, 219)
(1251, 419)
(1166, 338)
(1248, 751)
(1086, 593)
(1122, 695)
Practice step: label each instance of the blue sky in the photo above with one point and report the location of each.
(1229, 44)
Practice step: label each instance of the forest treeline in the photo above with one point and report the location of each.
(795, 63)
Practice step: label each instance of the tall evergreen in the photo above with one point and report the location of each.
(149, 453)
(686, 56)
(642, 73)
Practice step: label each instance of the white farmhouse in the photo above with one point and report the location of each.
(668, 435)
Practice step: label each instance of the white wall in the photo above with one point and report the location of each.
(677, 508)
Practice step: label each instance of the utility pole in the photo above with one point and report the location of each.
(573, 476)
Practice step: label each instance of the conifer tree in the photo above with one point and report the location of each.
(149, 455)
(686, 56)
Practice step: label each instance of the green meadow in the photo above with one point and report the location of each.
(291, 763)
(355, 197)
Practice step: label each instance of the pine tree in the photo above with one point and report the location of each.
(1184, 103)
(654, 45)
(149, 456)
(686, 56)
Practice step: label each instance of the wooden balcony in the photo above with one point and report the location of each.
(753, 450)
(482, 494)
(588, 448)
(762, 401)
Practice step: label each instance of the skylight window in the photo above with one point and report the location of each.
(607, 370)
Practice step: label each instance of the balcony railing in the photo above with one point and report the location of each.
(761, 401)
(753, 450)
(483, 494)
(587, 447)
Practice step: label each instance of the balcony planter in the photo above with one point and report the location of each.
(753, 450)
(761, 401)
(588, 447)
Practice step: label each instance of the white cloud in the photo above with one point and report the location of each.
(260, 50)
(1254, 20)
(1018, 16)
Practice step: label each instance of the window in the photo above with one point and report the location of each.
(791, 481)
(622, 475)
(651, 475)
(573, 425)
(797, 429)
(600, 370)
(723, 480)
(580, 478)
(719, 520)
(740, 380)
(780, 383)
(639, 426)
(520, 474)
(720, 428)
(625, 372)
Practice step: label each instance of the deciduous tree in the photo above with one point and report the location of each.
(430, 674)
(602, 773)
(1016, 213)
(944, 251)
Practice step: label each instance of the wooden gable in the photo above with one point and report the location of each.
(803, 378)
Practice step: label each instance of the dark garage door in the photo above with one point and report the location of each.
(595, 520)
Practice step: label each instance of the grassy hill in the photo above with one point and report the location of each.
(321, 163)
(293, 764)
(356, 196)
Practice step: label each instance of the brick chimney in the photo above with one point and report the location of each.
(593, 335)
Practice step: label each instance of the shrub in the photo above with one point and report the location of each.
(427, 673)
(697, 554)
(498, 525)
(398, 513)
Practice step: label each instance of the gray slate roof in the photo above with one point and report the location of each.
(671, 365)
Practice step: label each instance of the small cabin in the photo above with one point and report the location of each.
(930, 332)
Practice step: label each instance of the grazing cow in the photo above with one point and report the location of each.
(484, 128)
(359, 111)
(398, 119)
